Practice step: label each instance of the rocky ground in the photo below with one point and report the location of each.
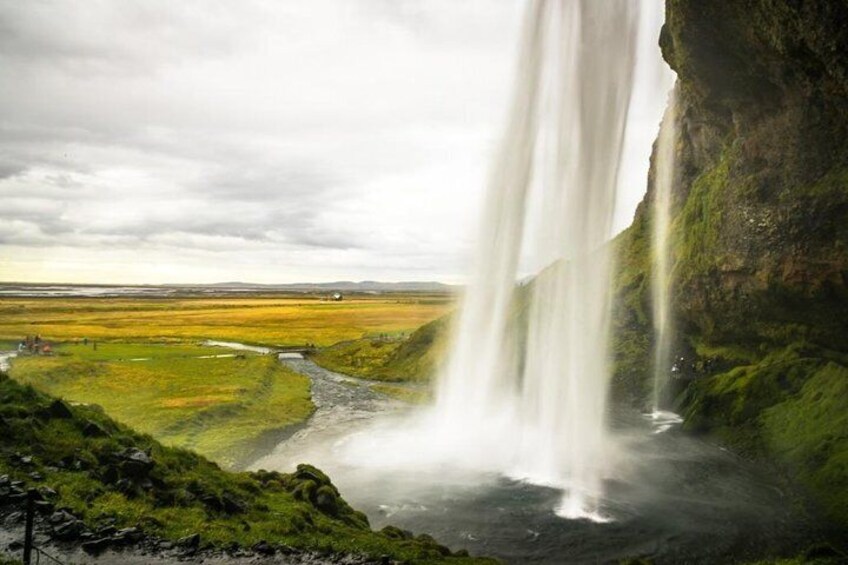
(61, 535)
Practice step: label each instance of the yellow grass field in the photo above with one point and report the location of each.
(269, 321)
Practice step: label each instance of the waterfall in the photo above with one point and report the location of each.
(477, 386)
(557, 403)
(661, 249)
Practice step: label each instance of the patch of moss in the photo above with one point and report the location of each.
(809, 430)
(791, 404)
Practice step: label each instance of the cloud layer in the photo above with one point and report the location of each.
(199, 141)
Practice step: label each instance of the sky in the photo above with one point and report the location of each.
(262, 141)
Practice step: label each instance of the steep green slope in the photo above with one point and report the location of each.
(109, 477)
(414, 359)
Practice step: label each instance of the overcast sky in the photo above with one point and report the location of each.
(264, 141)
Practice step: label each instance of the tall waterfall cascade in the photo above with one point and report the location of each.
(569, 133)
(661, 249)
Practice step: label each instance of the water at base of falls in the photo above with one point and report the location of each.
(671, 498)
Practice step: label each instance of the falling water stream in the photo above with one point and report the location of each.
(661, 273)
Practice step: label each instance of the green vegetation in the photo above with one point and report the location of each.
(404, 393)
(221, 407)
(632, 332)
(414, 359)
(82, 454)
(792, 404)
(272, 321)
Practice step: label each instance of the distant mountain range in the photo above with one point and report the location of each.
(363, 287)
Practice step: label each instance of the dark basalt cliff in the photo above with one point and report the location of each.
(760, 236)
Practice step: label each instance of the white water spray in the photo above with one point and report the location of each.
(661, 248)
(558, 401)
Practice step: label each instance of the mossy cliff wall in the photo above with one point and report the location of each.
(760, 235)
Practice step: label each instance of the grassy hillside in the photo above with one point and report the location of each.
(104, 473)
(414, 359)
(183, 395)
(275, 321)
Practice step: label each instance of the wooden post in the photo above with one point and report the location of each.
(30, 515)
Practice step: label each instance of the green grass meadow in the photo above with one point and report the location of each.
(182, 394)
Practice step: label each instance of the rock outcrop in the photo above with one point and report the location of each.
(760, 235)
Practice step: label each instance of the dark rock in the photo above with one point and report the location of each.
(19, 460)
(264, 548)
(135, 463)
(47, 493)
(127, 536)
(96, 546)
(92, 429)
(212, 502)
(106, 531)
(124, 485)
(110, 475)
(59, 410)
(190, 541)
(61, 516)
(232, 505)
(69, 531)
(326, 500)
(44, 507)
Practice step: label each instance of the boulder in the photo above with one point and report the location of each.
(135, 463)
(127, 536)
(69, 530)
(231, 504)
(61, 516)
(92, 429)
(59, 410)
(96, 546)
(191, 541)
(264, 548)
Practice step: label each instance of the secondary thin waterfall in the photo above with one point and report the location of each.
(661, 272)
(558, 401)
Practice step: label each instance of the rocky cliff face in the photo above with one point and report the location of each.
(760, 234)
